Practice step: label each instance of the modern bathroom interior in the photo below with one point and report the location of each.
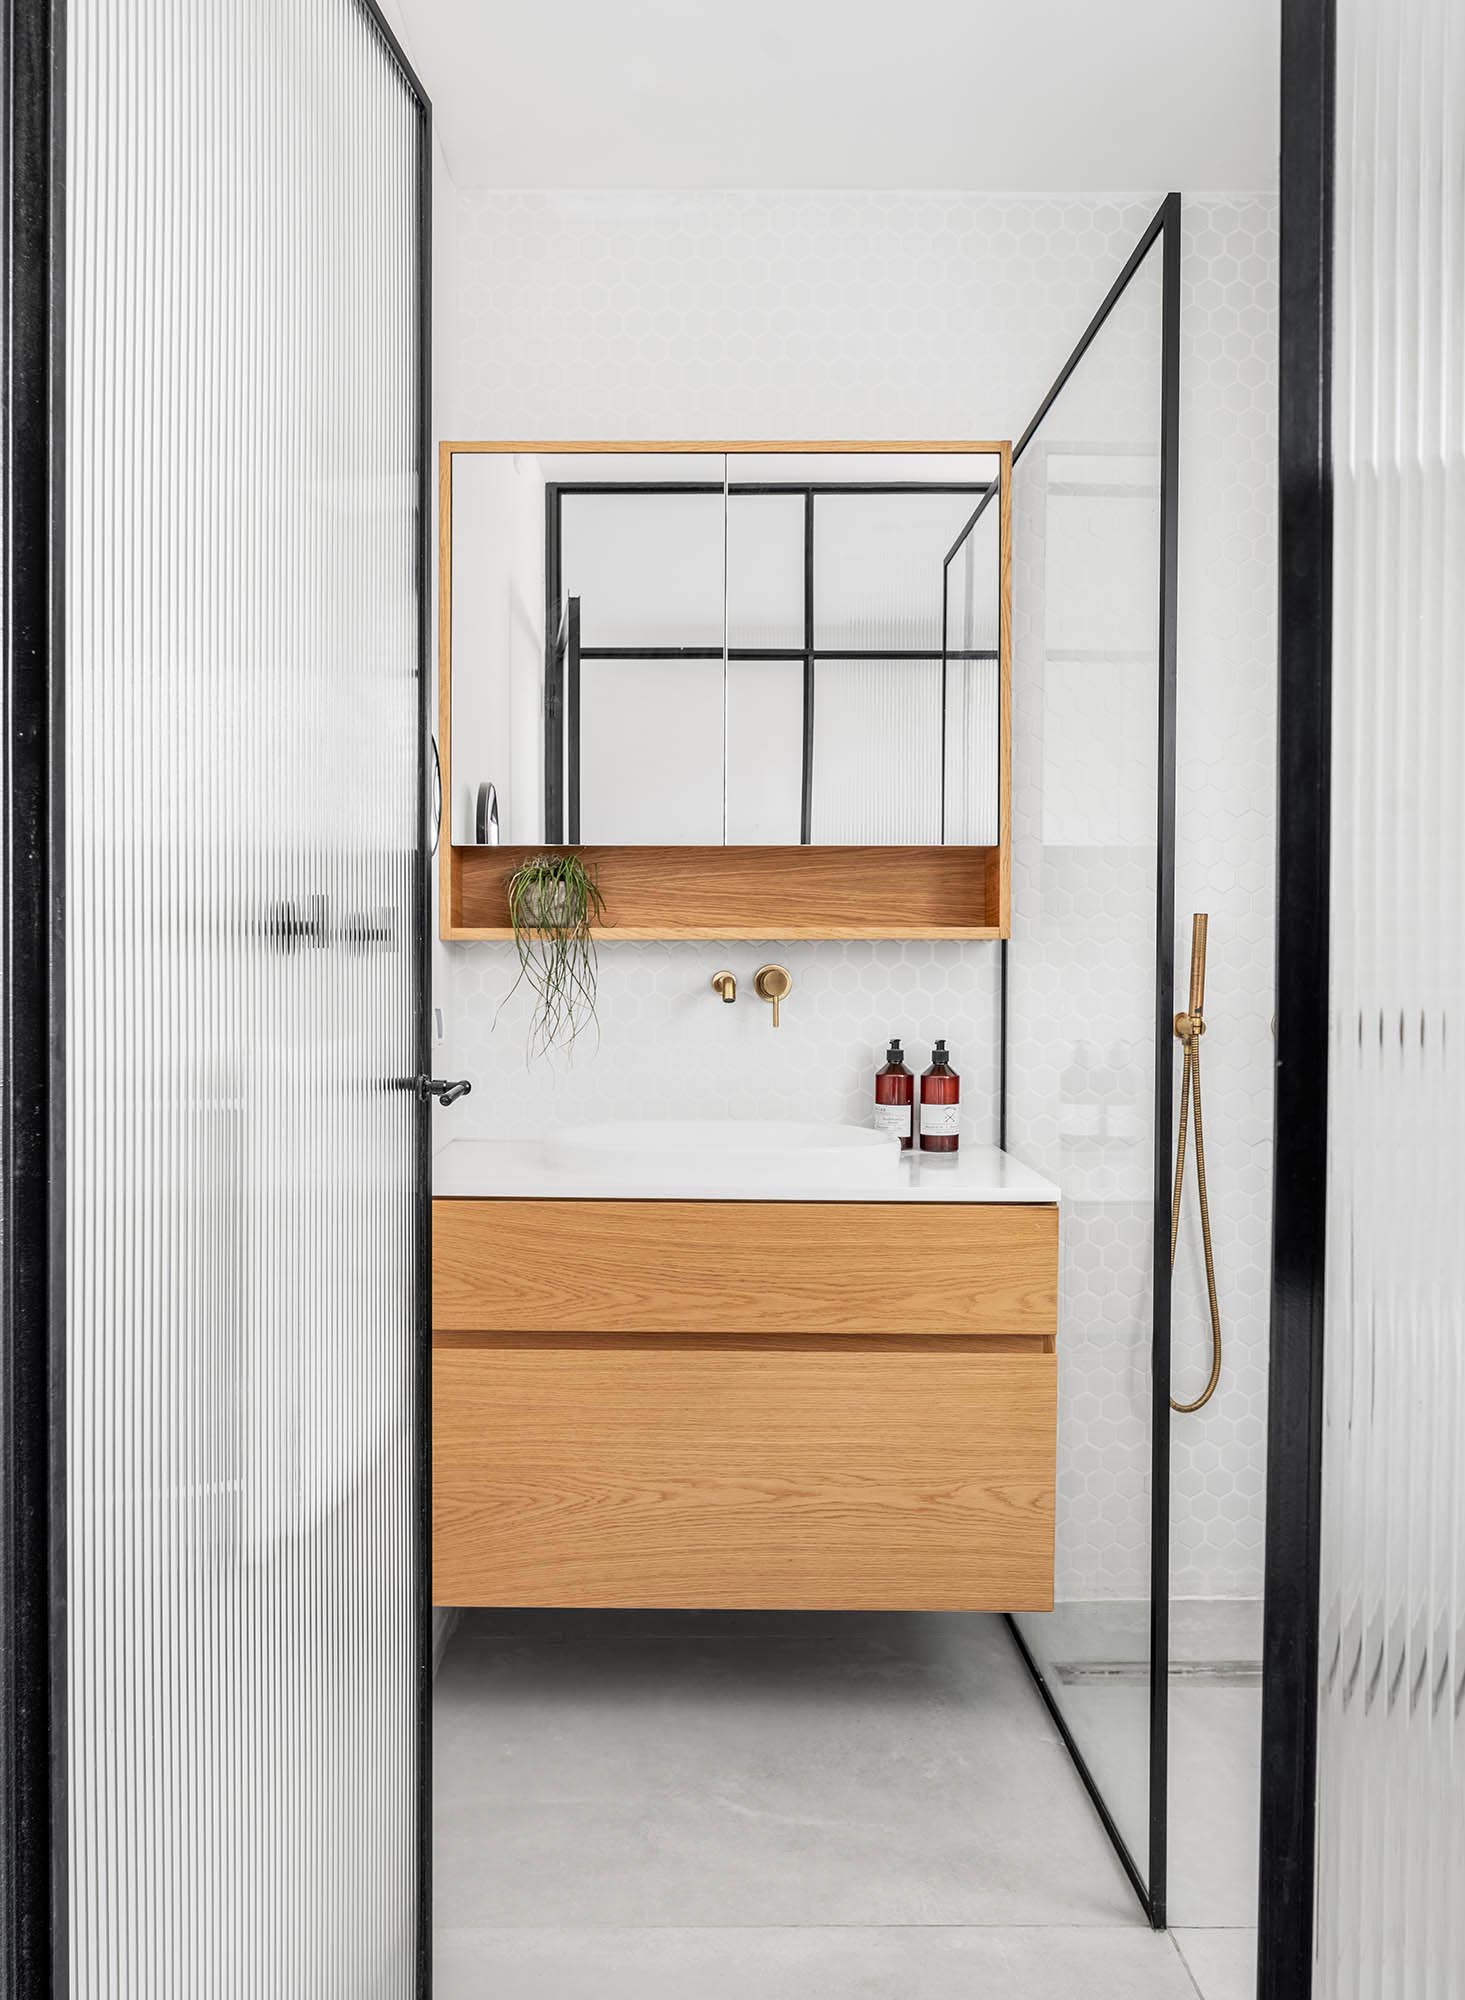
(683, 1114)
(965, 736)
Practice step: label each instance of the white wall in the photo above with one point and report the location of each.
(942, 94)
(909, 315)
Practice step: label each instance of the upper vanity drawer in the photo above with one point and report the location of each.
(744, 1267)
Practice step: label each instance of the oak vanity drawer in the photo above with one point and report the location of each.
(741, 1473)
(745, 1267)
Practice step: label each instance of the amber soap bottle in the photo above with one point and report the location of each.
(940, 1104)
(895, 1090)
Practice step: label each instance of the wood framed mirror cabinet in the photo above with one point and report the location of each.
(763, 688)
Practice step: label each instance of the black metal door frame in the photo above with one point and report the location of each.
(32, 1763)
(1299, 1184)
(32, 1038)
(422, 928)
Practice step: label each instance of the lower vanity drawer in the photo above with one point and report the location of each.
(743, 1472)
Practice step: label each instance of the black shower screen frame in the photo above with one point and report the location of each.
(1149, 1884)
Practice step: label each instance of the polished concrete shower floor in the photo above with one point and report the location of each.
(659, 1804)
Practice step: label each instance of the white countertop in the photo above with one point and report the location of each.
(490, 1169)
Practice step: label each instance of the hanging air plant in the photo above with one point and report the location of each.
(553, 902)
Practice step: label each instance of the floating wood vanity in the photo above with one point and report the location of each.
(842, 1399)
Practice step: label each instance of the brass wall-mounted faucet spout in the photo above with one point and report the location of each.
(726, 985)
(771, 982)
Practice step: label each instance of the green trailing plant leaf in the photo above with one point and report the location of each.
(553, 902)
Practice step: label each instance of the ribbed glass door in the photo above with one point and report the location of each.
(1391, 1729)
(244, 1240)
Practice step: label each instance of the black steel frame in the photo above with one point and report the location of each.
(33, 1887)
(1080, 1764)
(422, 927)
(32, 1058)
(1164, 228)
(1164, 1069)
(1290, 1635)
(564, 653)
(572, 657)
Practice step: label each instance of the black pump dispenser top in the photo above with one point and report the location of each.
(939, 1058)
(894, 1054)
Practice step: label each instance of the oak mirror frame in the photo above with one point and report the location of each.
(764, 688)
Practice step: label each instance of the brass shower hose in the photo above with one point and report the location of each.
(1189, 1028)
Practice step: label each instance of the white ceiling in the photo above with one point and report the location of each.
(1078, 96)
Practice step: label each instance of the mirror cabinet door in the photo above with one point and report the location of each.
(699, 649)
(887, 534)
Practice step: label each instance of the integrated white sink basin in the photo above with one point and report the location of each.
(742, 1150)
(726, 1159)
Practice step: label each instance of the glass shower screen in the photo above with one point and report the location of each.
(1088, 978)
(244, 913)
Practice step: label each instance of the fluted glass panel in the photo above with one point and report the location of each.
(877, 753)
(241, 773)
(1391, 1785)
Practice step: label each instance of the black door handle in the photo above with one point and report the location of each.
(446, 1093)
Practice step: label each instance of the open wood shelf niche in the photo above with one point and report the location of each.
(755, 892)
(746, 892)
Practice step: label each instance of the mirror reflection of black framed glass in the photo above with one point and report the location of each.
(741, 648)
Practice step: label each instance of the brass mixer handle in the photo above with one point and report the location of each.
(772, 982)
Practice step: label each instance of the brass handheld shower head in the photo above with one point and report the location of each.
(1191, 1024)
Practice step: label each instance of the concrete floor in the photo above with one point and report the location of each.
(860, 1807)
(1215, 1758)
